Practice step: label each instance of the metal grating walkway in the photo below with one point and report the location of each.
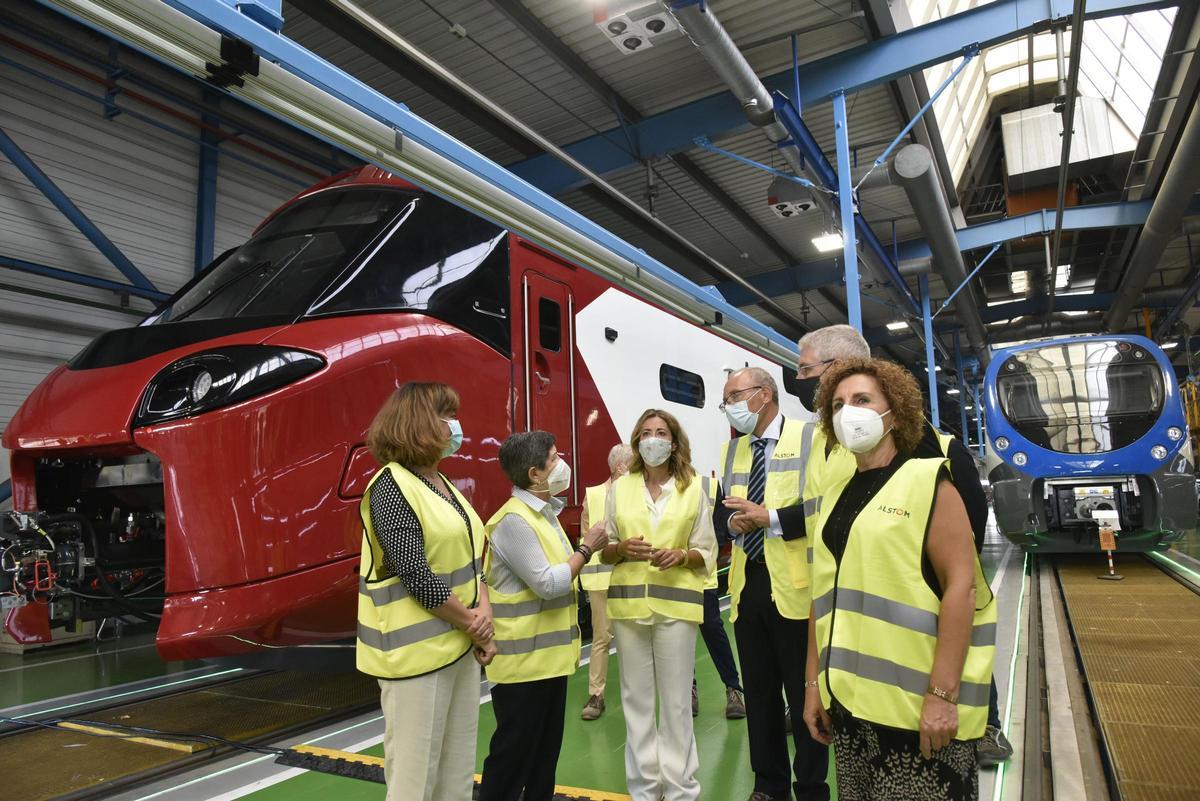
(1140, 644)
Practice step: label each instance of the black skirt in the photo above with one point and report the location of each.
(879, 763)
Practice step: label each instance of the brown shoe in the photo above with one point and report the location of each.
(735, 704)
(594, 708)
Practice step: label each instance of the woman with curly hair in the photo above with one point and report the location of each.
(903, 626)
(661, 539)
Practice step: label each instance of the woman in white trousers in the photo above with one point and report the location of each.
(662, 544)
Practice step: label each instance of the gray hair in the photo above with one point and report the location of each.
(522, 451)
(761, 377)
(836, 342)
(619, 456)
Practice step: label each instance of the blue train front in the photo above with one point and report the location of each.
(1078, 425)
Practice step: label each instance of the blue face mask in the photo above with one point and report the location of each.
(740, 417)
(455, 437)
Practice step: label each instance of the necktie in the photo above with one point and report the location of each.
(752, 542)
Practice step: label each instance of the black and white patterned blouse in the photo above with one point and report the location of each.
(403, 540)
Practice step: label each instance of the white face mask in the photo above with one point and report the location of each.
(655, 450)
(559, 478)
(859, 429)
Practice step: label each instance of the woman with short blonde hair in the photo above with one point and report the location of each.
(660, 535)
(424, 620)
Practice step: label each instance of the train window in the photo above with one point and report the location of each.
(549, 325)
(1082, 397)
(681, 386)
(437, 259)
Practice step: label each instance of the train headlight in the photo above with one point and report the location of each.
(1020, 459)
(221, 377)
(201, 385)
(1158, 452)
(1175, 433)
(1001, 443)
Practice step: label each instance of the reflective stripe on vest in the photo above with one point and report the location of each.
(397, 637)
(536, 638)
(787, 476)
(876, 646)
(595, 575)
(638, 590)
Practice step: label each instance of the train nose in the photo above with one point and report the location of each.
(76, 409)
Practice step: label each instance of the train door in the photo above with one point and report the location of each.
(549, 342)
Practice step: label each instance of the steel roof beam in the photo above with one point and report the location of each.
(528, 22)
(852, 70)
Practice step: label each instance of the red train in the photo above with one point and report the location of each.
(204, 468)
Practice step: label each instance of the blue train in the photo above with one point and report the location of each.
(1078, 425)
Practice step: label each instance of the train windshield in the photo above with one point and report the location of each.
(1083, 397)
(280, 270)
(357, 250)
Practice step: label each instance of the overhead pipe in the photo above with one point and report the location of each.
(1062, 324)
(797, 148)
(385, 33)
(1179, 184)
(912, 168)
(698, 22)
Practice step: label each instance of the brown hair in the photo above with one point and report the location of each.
(896, 384)
(407, 429)
(679, 463)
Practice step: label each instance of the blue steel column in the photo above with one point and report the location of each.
(846, 202)
(979, 419)
(962, 388)
(927, 318)
(206, 187)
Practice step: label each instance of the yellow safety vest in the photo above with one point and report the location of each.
(638, 589)
(536, 638)
(787, 560)
(397, 637)
(595, 575)
(877, 619)
(833, 470)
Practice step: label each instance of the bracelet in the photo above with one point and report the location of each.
(808, 685)
(943, 694)
(584, 551)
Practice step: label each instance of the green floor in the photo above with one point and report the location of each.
(58, 671)
(593, 753)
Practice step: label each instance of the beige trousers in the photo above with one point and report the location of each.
(429, 740)
(601, 639)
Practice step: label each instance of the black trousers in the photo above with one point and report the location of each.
(772, 650)
(523, 754)
(717, 642)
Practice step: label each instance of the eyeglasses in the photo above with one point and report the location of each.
(738, 395)
(801, 369)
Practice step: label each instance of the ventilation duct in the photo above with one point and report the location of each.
(1179, 184)
(719, 50)
(913, 170)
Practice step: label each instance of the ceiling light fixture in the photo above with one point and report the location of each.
(952, 391)
(828, 242)
(897, 326)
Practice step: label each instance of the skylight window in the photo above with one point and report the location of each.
(1119, 63)
(1019, 281)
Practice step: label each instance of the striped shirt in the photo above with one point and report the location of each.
(518, 560)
